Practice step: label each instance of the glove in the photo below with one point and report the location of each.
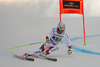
(47, 40)
(69, 50)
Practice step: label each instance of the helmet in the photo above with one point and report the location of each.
(61, 27)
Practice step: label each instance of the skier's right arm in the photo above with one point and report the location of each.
(49, 35)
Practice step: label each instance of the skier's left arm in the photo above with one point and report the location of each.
(69, 44)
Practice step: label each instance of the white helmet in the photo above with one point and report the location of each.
(61, 26)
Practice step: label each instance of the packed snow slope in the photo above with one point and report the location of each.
(29, 21)
(30, 30)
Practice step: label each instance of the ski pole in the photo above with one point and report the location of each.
(25, 45)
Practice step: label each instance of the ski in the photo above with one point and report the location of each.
(47, 58)
(53, 59)
(32, 59)
(24, 58)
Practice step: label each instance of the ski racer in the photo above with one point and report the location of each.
(52, 40)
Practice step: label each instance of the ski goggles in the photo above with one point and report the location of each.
(62, 28)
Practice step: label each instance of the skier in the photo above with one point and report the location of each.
(52, 40)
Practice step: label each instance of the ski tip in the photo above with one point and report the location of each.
(32, 59)
(55, 59)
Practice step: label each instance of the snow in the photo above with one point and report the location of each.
(18, 28)
(20, 33)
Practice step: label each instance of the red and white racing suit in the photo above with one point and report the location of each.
(55, 38)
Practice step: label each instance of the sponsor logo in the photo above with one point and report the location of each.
(71, 4)
(63, 25)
